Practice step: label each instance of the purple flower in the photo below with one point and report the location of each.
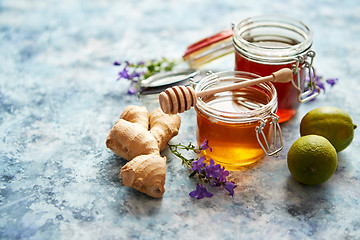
(318, 82)
(135, 75)
(212, 170)
(200, 192)
(229, 186)
(205, 145)
(215, 174)
(124, 74)
(131, 90)
(223, 174)
(198, 164)
(116, 63)
(332, 81)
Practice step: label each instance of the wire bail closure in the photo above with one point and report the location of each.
(302, 62)
(274, 127)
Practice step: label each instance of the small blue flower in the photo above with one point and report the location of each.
(205, 145)
(124, 74)
(223, 174)
(212, 170)
(215, 174)
(200, 192)
(318, 82)
(135, 75)
(198, 164)
(131, 90)
(332, 81)
(321, 84)
(138, 71)
(229, 186)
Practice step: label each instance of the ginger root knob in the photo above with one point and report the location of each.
(146, 173)
(128, 140)
(131, 139)
(164, 126)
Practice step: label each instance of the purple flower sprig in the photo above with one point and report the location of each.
(321, 83)
(135, 72)
(213, 174)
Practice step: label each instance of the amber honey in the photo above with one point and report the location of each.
(288, 101)
(265, 44)
(233, 144)
(237, 123)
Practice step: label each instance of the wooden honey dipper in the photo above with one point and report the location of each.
(178, 99)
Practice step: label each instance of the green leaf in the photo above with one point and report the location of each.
(193, 173)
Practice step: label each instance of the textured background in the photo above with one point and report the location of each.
(59, 98)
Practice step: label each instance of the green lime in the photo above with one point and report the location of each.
(312, 159)
(330, 122)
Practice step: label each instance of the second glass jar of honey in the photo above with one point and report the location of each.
(265, 44)
(241, 126)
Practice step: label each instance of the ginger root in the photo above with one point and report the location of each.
(139, 137)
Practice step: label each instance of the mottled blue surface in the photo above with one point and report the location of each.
(59, 98)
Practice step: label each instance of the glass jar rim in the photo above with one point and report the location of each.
(239, 116)
(273, 53)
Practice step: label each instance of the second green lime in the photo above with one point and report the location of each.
(330, 122)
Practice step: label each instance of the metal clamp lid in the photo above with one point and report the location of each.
(160, 81)
(301, 63)
(275, 127)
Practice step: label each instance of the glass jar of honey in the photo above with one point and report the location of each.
(241, 125)
(265, 44)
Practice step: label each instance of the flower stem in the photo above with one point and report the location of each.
(185, 161)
